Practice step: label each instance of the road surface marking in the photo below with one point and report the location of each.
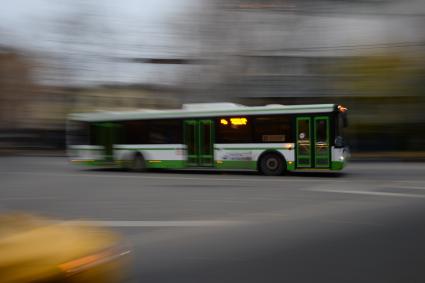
(411, 181)
(402, 187)
(366, 193)
(351, 222)
(218, 200)
(414, 185)
(153, 223)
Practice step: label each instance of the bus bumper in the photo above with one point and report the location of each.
(342, 159)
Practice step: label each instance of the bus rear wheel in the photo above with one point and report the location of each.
(138, 163)
(272, 164)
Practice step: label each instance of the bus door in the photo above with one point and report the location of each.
(321, 142)
(312, 142)
(106, 134)
(198, 137)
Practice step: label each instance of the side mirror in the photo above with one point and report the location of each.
(339, 142)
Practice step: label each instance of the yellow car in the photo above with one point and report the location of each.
(35, 249)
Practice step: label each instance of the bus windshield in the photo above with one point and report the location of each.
(341, 124)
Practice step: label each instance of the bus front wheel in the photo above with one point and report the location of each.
(272, 164)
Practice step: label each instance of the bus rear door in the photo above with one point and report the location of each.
(106, 134)
(198, 136)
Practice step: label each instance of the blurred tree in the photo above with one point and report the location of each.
(83, 39)
(386, 95)
(388, 74)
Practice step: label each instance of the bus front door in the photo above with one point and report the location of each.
(198, 136)
(321, 142)
(312, 142)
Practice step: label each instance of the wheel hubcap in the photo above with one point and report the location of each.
(272, 163)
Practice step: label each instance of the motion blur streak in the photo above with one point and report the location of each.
(364, 224)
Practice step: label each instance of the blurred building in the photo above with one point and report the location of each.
(15, 86)
(356, 53)
(33, 116)
(123, 97)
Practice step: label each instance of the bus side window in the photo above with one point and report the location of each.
(135, 132)
(165, 132)
(272, 129)
(234, 130)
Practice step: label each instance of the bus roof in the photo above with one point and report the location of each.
(200, 110)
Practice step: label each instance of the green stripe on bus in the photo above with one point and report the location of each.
(290, 166)
(93, 162)
(180, 164)
(250, 148)
(87, 148)
(337, 165)
(236, 164)
(166, 164)
(117, 148)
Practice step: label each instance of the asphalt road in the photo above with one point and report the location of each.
(364, 225)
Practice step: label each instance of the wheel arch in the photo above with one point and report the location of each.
(273, 151)
(138, 155)
(131, 154)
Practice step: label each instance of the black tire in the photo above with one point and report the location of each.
(138, 163)
(272, 164)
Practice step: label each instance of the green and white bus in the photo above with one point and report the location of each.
(272, 139)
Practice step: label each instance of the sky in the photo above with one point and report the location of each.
(34, 23)
(86, 35)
